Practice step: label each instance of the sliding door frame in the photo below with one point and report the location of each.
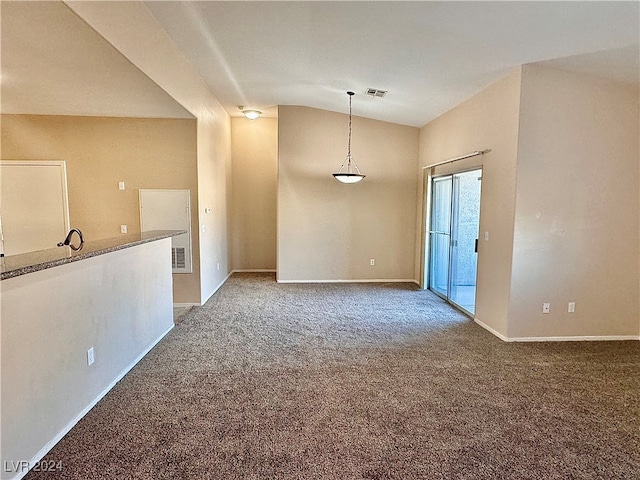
(427, 204)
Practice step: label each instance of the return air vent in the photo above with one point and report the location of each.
(374, 92)
(178, 257)
(169, 210)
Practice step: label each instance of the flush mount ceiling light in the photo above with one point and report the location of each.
(349, 172)
(250, 113)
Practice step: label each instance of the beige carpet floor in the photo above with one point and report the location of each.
(358, 381)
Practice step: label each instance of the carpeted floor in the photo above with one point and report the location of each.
(358, 381)
(179, 313)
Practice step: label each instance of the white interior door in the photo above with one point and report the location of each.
(33, 205)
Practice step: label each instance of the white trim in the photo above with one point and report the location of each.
(44, 450)
(216, 289)
(493, 331)
(371, 280)
(181, 305)
(575, 338)
(253, 270)
(580, 338)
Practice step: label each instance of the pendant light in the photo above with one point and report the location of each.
(349, 172)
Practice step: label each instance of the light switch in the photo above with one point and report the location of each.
(486, 236)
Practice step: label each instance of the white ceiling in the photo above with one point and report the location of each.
(430, 56)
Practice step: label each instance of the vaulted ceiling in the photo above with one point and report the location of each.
(429, 56)
(53, 63)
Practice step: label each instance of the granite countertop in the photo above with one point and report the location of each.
(16, 265)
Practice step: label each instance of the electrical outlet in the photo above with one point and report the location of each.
(121, 185)
(218, 266)
(572, 307)
(123, 229)
(372, 262)
(546, 307)
(90, 357)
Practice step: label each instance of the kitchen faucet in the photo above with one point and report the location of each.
(67, 241)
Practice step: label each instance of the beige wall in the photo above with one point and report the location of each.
(254, 146)
(214, 193)
(559, 200)
(133, 31)
(577, 217)
(328, 230)
(487, 120)
(100, 152)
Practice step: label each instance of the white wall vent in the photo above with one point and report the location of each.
(374, 92)
(169, 210)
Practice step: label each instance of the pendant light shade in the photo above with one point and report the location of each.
(349, 171)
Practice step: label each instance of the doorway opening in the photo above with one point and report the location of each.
(453, 237)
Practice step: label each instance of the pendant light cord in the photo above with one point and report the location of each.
(349, 176)
(349, 142)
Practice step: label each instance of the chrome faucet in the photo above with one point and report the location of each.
(67, 241)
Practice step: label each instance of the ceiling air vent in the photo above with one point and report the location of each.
(374, 92)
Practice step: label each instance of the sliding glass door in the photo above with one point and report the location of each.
(455, 221)
(440, 235)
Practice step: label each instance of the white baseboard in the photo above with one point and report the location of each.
(574, 338)
(578, 338)
(180, 305)
(216, 289)
(372, 280)
(493, 331)
(368, 280)
(44, 450)
(253, 270)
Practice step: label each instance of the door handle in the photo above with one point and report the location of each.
(476, 249)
